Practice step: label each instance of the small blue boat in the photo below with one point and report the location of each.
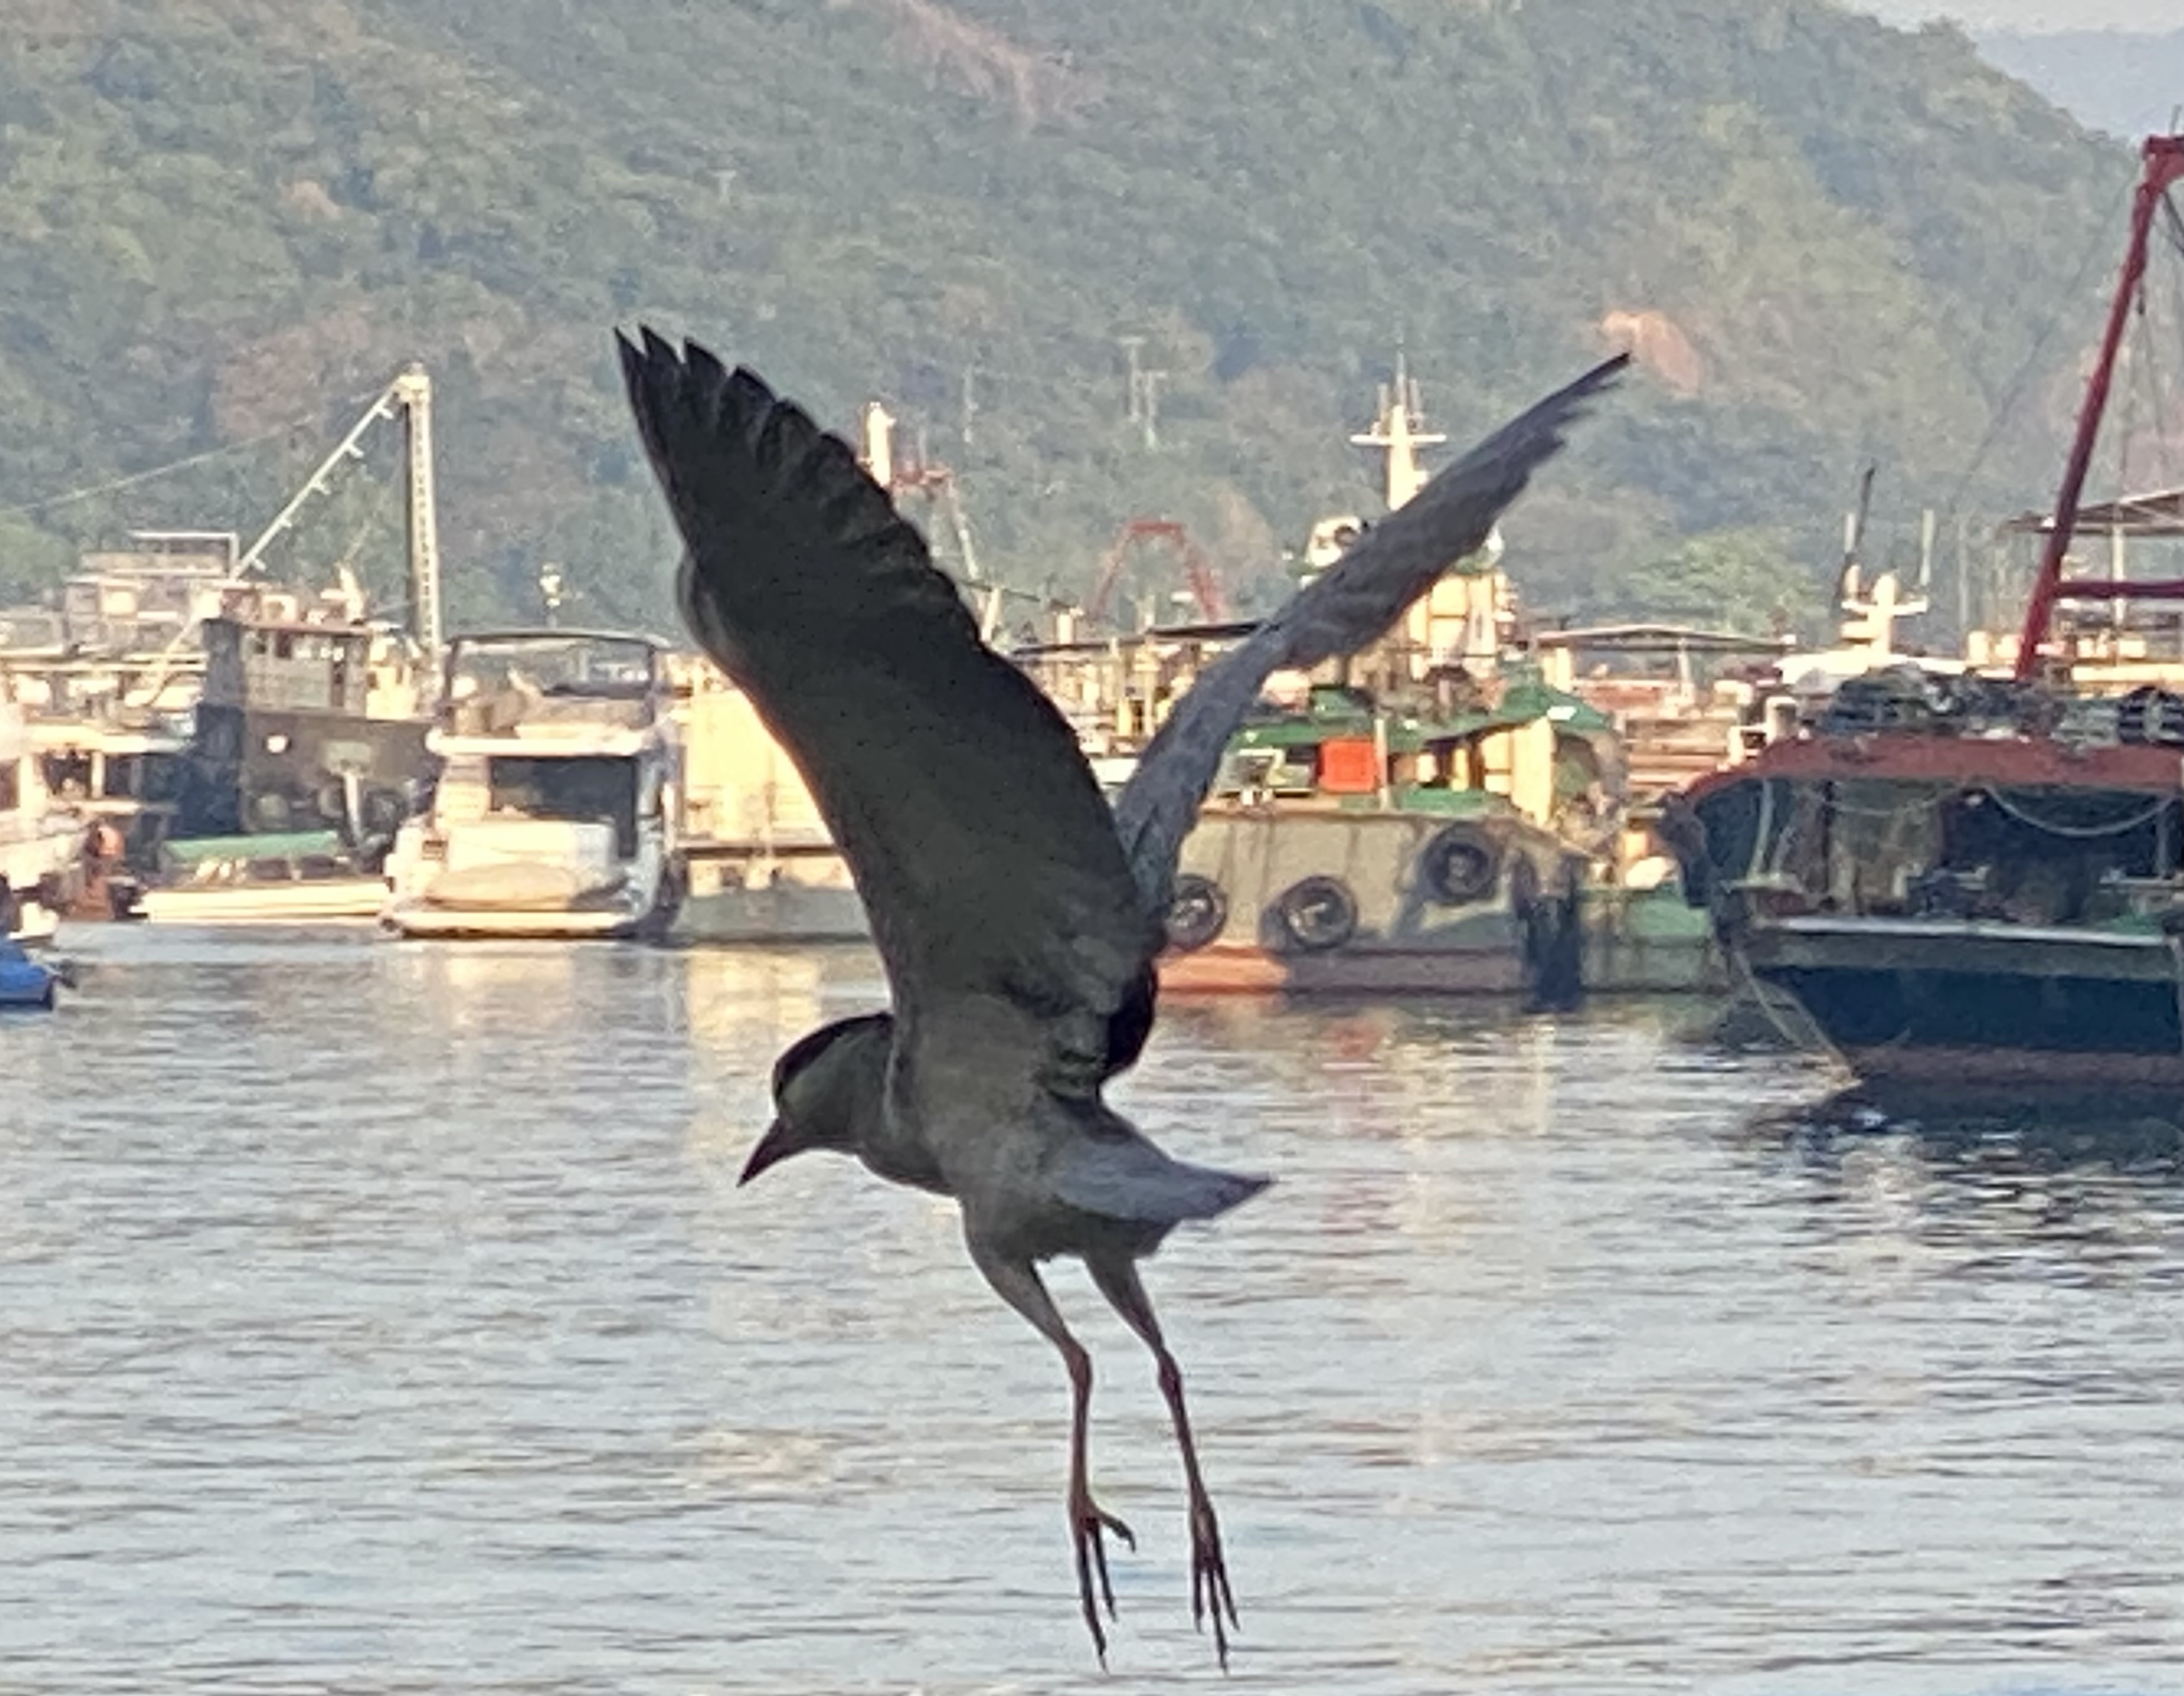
(25, 983)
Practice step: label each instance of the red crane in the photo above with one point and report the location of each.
(1197, 573)
(2164, 157)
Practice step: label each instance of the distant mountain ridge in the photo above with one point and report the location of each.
(1833, 243)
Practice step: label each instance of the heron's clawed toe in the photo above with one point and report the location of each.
(1209, 1578)
(1088, 1521)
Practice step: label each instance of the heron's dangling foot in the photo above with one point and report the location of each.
(1018, 1283)
(1118, 1282)
(1088, 1521)
(1209, 1575)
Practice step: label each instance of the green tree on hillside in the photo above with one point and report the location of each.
(1752, 581)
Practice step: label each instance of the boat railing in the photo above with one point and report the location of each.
(507, 711)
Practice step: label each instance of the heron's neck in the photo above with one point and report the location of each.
(891, 1145)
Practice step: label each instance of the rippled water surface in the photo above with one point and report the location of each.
(385, 1317)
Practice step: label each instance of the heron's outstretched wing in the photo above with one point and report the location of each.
(1395, 562)
(985, 854)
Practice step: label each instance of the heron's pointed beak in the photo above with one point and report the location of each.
(773, 1148)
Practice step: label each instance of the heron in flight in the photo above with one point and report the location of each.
(1017, 916)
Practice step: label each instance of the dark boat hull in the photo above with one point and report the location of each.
(1995, 1005)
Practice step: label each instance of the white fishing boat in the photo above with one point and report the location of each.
(554, 805)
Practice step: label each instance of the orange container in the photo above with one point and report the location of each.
(1349, 765)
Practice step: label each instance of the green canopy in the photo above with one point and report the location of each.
(1339, 712)
(282, 845)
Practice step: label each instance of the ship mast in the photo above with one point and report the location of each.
(2164, 168)
(1399, 429)
(412, 391)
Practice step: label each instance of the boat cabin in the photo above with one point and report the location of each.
(553, 808)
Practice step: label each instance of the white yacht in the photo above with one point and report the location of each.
(552, 810)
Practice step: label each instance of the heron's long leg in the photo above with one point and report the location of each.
(1118, 1282)
(1017, 1283)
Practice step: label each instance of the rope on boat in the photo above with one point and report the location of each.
(1813, 1037)
(2085, 833)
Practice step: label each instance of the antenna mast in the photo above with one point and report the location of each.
(1399, 429)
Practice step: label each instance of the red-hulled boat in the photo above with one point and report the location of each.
(1979, 880)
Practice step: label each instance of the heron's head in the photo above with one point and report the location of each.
(827, 1089)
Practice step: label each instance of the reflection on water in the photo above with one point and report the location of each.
(387, 1318)
(2132, 1134)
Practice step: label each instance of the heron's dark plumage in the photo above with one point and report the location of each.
(985, 852)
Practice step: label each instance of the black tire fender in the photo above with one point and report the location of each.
(1316, 914)
(1460, 865)
(1197, 913)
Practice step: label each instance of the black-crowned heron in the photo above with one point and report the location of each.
(1019, 918)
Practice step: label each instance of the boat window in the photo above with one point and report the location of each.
(11, 785)
(67, 773)
(143, 777)
(601, 667)
(585, 788)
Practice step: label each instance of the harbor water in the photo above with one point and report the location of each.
(384, 1317)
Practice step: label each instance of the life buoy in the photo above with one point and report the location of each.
(1460, 865)
(1197, 913)
(1316, 914)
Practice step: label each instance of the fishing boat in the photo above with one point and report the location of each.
(1349, 847)
(1963, 874)
(311, 717)
(182, 693)
(1432, 815)
(553, 810)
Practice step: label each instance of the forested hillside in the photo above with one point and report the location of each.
(224, 223)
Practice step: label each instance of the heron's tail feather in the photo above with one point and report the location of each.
(1127, 1178)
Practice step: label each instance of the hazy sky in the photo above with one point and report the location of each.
(2152, 15)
